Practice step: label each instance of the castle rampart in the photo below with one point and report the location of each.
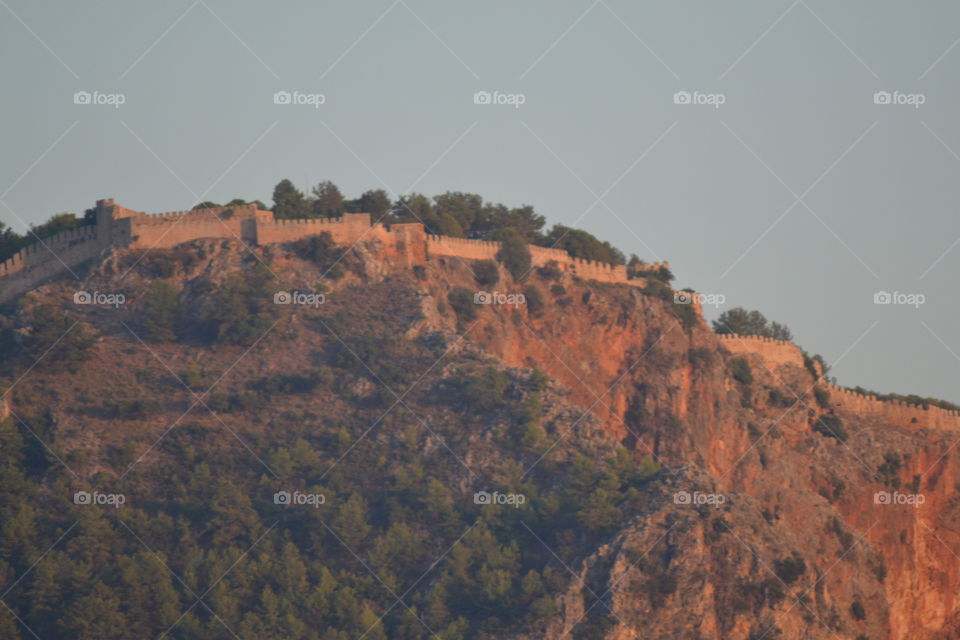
(777, 352)
(118, 226)
(896, 412)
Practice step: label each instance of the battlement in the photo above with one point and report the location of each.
(778, 352)
(896, 412)
(118, 226)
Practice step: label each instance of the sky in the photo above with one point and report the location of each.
(796, 157)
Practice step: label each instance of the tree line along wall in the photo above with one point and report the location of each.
(895, 412)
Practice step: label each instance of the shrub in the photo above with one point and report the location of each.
(890, 469)
(822, 396)
(550, 271)
(558, 290)
(857, 611)
(830, 425)
(322, 250)
(57, 341)
(790, 568)
(750, 323)
(241, 311)
(161, 312)
(484, 392)
(461, 300)
(419, 272)
(534, 300)
(741, 371)
(486, 272)
(514, 254)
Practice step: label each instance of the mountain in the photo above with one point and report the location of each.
(395, 438)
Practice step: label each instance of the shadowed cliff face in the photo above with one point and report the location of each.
(775, 514)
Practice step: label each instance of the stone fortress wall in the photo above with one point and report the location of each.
(896, 412)
(118, 226)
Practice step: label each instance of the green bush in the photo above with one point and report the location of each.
(740, 369)
(550, 271)
(324, 252)
(161, 312)
(857, 611)
(461, 300)
(790, 568)
(822, 397)
(484, 391)
(514, 254)
(241, 311)
(486, 272)
(830, 425)
(534, 300)
(57, 341)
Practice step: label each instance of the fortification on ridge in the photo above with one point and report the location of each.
(118, 226)
(897, 412)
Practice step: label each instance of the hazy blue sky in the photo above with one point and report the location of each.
(798, 196)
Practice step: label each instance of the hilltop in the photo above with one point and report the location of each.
(676, 483)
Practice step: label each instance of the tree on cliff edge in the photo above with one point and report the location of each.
(289, 202)
(750, 323)
(514, 253)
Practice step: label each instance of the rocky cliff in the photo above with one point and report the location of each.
(779, 510)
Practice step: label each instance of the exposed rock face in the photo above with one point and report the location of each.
(872, 570)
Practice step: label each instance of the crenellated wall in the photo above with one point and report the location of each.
(773, 351)
(347, 229)
(118, 226)
(540, 256)
(894, 412)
